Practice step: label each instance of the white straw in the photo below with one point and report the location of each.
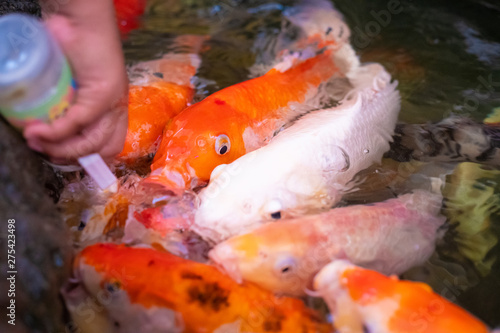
(95, 166)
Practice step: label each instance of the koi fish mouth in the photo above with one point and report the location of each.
(226, 261)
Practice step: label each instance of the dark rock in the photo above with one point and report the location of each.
(42, 242)
(26, 6)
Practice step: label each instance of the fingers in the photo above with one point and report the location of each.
(91, 103)
(105, 136)
(89, 38)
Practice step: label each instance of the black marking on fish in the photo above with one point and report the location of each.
(81, 226)
(328, 31)
(272, 326)
(273, 322)
(485, 156)
(158, 74)
(209, 295)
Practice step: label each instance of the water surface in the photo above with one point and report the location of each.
(446, 56)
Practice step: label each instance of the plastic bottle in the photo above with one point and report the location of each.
(35, 79)
(36, 82)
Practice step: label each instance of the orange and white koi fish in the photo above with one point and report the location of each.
(389, 236)
(144, 290)
(307, 167)
(154, 101)
(243, 117)
(362, 300)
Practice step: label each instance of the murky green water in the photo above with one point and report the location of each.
(446, 56)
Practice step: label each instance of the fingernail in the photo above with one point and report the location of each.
(35, 145)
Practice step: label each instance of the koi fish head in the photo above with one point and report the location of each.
(196, 141)
(320, 22)
(105, 294)
(274, 256)
(363, 300)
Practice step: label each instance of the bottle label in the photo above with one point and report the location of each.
(50, 109)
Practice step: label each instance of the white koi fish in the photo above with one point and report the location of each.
(307, 167)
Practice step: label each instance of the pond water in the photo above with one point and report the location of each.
(446, 57)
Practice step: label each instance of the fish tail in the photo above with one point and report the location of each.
(424, 201)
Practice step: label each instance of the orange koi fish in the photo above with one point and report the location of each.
(390, 236)
(153, 104)
(243, 117)
(144, 290)
(363, 301)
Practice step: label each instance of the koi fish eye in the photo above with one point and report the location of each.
(112, 286)
(276, 215)
(222, 144)
(285, 265)
(274, 208)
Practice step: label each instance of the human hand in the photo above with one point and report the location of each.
(97, 121)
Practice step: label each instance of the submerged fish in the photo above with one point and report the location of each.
(454, 139)
(154, 101)
(364, 301)
(143, 290)
(284, 256)
(243, 117)
(307, 167)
